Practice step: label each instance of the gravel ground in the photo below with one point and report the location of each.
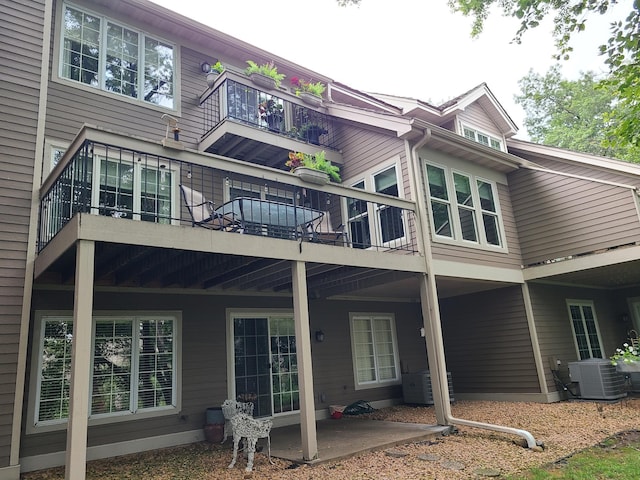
(564, 428)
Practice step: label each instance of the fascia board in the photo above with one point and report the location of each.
(397, 124)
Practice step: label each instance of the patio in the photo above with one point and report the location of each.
(345, 437)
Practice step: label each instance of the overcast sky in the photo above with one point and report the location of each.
(413, 48)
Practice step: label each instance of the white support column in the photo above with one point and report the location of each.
(435, 348)
(305, 369)
(76, 455)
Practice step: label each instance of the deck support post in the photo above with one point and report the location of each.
(305, 370)
(78, 422)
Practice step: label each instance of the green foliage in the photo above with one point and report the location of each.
(621, 49)
(217, 67)
(573, 114)
(266, 69)
(318, 161)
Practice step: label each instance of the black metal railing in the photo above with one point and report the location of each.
(107, 180)
(242, 103)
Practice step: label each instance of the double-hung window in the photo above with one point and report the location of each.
(134, 365)
(374, 350)
(463, 207)
(585, 329)
(482, 138)
(376, 224)
(100, 53)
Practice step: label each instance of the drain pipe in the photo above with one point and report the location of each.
(431, 317)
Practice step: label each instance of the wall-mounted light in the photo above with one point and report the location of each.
(205, 67)
(319, 336)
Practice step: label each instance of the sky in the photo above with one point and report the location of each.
(412, 48)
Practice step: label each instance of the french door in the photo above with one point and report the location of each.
(265, 363)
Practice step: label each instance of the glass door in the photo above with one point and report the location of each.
(266, 367)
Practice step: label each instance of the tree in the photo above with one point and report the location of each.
(572, 114)
(621, 49)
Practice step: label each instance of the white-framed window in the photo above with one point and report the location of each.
(586, 333)
(464, 207)
(374, 349)
(135, 366)
(134, 189)
(375, 224)
(101, 53)
(483, 138)
(53, 152)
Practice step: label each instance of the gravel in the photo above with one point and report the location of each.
(563, 427)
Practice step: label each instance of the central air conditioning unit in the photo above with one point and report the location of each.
(416, 388)
(597, 379)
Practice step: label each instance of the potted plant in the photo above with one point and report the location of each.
(627, 358)
(311, 132)
(271, 112)
(216, 69)
(313, 168)
(310, 92)
(265, 75)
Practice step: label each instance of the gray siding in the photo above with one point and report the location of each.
(204, 357)
(487, 343)
(554, 327)
(558, 216)
(510, 259)
(21, 23)
(476, 117)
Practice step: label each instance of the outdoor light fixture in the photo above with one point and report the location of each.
(205, 67)
(319, 336)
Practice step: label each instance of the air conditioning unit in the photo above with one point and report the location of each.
(416, 388)
(597, 379)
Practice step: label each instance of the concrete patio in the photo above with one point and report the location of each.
(347, 436)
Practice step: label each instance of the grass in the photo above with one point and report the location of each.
(616, 458)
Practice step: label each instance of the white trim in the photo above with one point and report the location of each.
(570, 302)
(450, 268)
(476, 131)
(56, 459)
(103, 419)
(51, 145)
(394, 340)
(454, 217)
(106, 17)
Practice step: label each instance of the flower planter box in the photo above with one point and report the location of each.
(310, 99)
(263, 81)
(625, 367)
(310, 175)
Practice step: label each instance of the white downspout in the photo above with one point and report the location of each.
(432, 323)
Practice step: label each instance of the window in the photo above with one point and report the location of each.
(374, 350)
(585, 329)
(463, 207)
(482, 138)
(138, 190)
(134, 366)
(102, 54)
(386, 223)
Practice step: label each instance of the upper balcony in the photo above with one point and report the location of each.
(144, 203)
(245, 123)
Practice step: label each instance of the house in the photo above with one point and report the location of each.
(451, 246)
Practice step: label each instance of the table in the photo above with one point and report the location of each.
(270, 218)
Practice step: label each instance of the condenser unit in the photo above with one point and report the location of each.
(416, 388)
(597, 379)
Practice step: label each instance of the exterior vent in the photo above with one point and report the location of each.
(416, 388)
(597, 379)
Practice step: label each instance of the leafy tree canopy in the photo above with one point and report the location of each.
(621, 49)
(572, 114)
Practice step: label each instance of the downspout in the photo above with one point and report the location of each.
(433, 325)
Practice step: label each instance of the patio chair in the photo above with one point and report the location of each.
(245, 426)
(325, 233)
(202, 214)
(231, 408)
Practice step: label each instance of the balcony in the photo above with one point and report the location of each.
(243, 122)
(126, 194)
